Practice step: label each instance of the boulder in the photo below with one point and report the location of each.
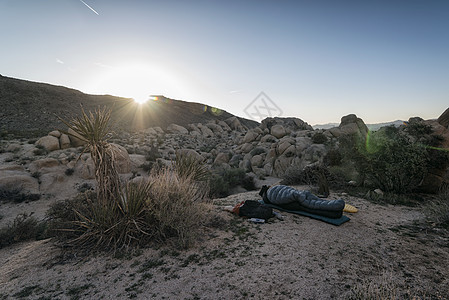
(303, 143)
(64, 141)
(257, 161)
(224, 125)
(234, 124)
(235, 160)
(23, 181)
(137, 160)
(158, 130)
(121, 156)
(444, 119)
(149, 131)
(291, 124)
(247, 147)
(249, 137)
(278, 131)
(335, 131)
(13, 147)
(282, 146)
(214, 127)
(55, 133)
(75, 138)
(222, 158)
(191, 153)
(177, 129)
(205, 131)
(351, 124)
(43, 165)
(268, 138)
(50, 143)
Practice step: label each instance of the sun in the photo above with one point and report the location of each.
(136, 80)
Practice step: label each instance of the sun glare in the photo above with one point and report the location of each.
(136, 81)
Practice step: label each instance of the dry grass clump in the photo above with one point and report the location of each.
(176, 206)
(437, 210)
(24, 227)
(167, 208)
(381, 289)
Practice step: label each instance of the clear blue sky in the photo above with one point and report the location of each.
(316, 60)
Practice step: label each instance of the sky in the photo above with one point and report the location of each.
(315, 60)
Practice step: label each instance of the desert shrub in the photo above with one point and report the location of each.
(166, 208)
(224, 180)
(188, 166)
(319, 138)
(24, 227)
(218, 187)
(17, 195)
(333, 158)
(62, 214)
(437, 211)
(176, 207)
(147, 166)
(153, 154)
(387, 159)
(69, 171)
(394, 163)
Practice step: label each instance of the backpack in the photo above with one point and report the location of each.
(255, 209)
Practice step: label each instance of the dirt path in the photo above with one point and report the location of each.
(298, 258)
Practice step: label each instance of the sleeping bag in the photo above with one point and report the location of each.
(293, 199)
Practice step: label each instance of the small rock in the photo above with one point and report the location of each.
(50, 143)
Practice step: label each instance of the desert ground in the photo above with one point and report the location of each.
(384, 252)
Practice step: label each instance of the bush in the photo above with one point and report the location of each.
(394, 163)
(165, 208)
(319, 138)
(24, 227)
(188, 166)
(223, 181)
(153, 154)
(17, 195)
(387, 159)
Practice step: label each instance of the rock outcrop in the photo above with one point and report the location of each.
(443, 120)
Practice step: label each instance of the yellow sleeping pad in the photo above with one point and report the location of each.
(350, 209)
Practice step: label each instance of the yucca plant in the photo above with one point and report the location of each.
(93, 129)
(107, 227)
(163, 207)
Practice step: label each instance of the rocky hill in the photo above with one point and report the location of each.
(372, 127)
(32, 109)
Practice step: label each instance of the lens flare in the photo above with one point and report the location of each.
(216, 111)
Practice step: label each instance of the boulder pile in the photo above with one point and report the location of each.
(56, 165)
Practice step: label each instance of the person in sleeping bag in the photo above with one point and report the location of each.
(292, 199)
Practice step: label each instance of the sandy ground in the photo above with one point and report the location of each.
(383, 248)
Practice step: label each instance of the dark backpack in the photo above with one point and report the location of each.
(255, 209)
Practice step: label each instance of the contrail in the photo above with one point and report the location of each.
(90, 7)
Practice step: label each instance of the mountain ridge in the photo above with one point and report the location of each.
(30, 108)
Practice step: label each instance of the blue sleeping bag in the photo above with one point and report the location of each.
(293, 199)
